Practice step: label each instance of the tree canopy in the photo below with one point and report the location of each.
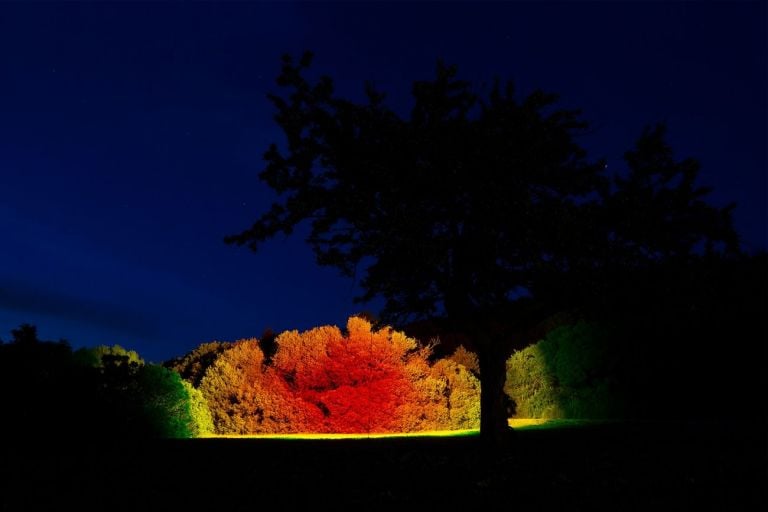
(448, 211)
(472, 201)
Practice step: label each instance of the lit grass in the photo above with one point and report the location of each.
(544, 424)
(526, 422)
(427, 433)
(515, 423)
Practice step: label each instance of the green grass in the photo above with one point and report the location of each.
(515, 423)
(372, 435)
(541, 424)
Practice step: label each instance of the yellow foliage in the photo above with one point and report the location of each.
(466, 358)
(202, 422)
(321, 380)
(230, 384)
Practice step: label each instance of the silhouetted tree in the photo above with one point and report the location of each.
(25, 334)
(449, 209)
(467, 205)
(652, 214)
(35, 382)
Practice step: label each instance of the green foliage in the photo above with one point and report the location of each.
(568, 374)
(97, 357)
(94, 392)
(164, 402)
(576, 353)
(531, 384)
(201, 419)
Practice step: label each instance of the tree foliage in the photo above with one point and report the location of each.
(101, 392)
(231, 387)
(449, 211)
(414, 199)
(473, 201)
(570, 373)
(192, 366)
(99, 355)
(163, 406)
(324, 380)
(201, 421)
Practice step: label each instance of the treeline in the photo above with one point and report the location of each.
(325, 380)
(678, 341)
(50, 391)
(683, 339)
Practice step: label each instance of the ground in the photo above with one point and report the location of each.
(626, 466)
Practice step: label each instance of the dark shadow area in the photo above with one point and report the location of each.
(51, 393)
(626, 466)
(674, 341)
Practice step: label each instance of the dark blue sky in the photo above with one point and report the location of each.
(131, 137)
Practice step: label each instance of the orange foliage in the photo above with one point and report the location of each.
(324, 381)
(355, 382)
(232, 385)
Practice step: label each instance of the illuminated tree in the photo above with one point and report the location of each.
(447, 211)
(231, 386)
(162, 403)
(96, 356)
(354, 383)
(570, 373)
(473, 206)
(323, 380)
(466, 358)
(201, 422)
(531, 385)
(462, 399)
(192, 366)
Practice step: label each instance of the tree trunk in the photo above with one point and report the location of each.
(494, 429)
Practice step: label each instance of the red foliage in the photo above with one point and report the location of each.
(356, 382)
(324, 381)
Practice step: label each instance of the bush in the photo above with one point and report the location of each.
(193, 365)
(129, 397)
(201, 420)
(570, 373)
(531, 384)
(323, 380)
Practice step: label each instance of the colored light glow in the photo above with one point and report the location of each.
(427, 433)
(513, 422)
(526, 422)
(362, 383)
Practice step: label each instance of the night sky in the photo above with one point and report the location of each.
(131, 136)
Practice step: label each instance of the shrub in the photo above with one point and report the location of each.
(201, 421)
(531, 384)
(229, 387)
(323, 380)
(193, 365)
(570, 373)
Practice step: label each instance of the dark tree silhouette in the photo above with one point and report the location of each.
(653, 214)
(449, 211)
(659, 209)
(468, 204)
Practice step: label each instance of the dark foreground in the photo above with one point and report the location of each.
(639, 466)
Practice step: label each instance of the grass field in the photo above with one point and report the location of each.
(552, 466)
(517, 423)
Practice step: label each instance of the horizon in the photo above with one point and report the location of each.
(132, 138)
